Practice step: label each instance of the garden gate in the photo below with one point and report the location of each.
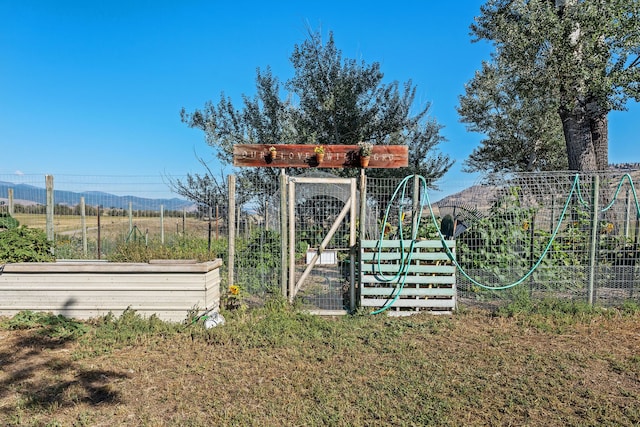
(324, 276)
(322, 213)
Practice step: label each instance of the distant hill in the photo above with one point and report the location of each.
(29, 194)
(479, 198)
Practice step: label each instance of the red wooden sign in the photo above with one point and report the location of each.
(304, 156)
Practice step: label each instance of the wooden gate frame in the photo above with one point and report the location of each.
(350, 206)
(304, 156)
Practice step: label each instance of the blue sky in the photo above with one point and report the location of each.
(96, 87)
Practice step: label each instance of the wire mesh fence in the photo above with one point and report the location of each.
(89, 215)
(534, 235)
(561, 234)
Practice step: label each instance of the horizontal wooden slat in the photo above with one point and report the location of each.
(445, 292)
(435, 244)
(374, 257)
(366, 279)
(419, 303)
(413, 269)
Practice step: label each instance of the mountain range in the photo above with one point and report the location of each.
(29, 194)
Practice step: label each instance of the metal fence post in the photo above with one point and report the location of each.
(416, 206)
(595, 209)
(99, 231)
(627, 214)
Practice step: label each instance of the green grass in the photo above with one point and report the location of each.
(536, 363)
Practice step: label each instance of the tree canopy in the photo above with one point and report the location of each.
(558, 68)
(329, 100)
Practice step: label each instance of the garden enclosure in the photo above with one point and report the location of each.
(552, 234)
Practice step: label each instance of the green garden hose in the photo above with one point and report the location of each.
(405, 256)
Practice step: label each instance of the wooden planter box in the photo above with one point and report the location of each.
(86, 289)
(430, 283)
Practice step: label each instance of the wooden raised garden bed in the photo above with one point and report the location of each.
(86, 289)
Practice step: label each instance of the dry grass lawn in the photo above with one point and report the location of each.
(280, 367)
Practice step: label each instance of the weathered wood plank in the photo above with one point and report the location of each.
(68, 267)
(374, 257)
(430, 266)
(433, 292)
(417, 280)
(413, 269)
(303, 156)
(411, 302)
(396, 244)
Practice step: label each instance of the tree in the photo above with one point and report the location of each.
(522, 135)
(329, 100)
(572, 59)
(206, 190)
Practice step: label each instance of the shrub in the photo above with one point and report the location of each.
(184, 247)
(22, 244)
(7, 221)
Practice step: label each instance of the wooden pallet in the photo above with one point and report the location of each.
(430, 283)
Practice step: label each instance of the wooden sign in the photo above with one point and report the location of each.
(304, 156)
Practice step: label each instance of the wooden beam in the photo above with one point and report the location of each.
(303, 156)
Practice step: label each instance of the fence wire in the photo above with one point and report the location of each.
(567, 237)
(547, 234)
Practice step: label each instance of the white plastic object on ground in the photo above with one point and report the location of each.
(213, 320)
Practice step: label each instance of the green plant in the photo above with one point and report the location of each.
(366, 148)
(50, 325)
(181, 247)
(506, 245)
(630, 307)
(22, 244)
(232, 299)
(129, 328)
(7, 221)
(258, 260)
(319, 149)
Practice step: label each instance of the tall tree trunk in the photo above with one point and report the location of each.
(578, 138)
(600, 138)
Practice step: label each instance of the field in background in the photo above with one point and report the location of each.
(117, 226)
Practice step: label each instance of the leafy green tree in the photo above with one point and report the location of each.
(521, 135)
(564, 64)
(329, 100)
